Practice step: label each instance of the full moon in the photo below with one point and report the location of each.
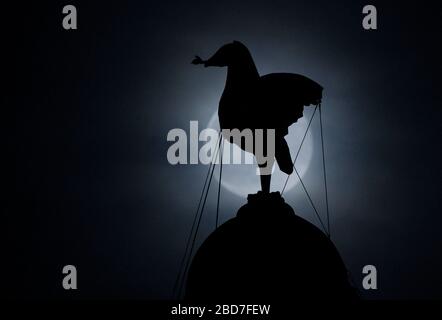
(242, 179)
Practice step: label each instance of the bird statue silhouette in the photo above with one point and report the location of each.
(250, 101)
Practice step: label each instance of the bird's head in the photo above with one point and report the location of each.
(226, 56)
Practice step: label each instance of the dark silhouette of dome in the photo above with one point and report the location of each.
(267, 252)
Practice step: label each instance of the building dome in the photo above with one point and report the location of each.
(267, 252)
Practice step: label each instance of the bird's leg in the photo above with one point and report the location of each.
(265, 182)
(265, 164)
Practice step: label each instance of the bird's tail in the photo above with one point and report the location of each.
(282, 155)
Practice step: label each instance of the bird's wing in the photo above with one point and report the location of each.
(285, 95)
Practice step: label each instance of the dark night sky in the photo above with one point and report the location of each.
(92, 185)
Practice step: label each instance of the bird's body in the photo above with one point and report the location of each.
(274, 101)
(250, 101)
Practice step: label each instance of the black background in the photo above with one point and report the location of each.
(92, 187)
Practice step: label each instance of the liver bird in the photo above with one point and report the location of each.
(250, 101)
